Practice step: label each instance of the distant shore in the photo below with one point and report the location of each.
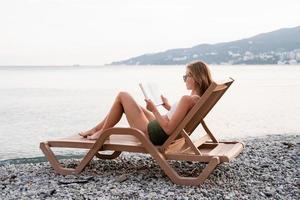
(120, 65)
(267, 168)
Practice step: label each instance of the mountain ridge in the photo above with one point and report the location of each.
(281, 46)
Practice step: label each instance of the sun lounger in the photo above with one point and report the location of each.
(178, 146)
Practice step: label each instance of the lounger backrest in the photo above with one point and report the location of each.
(196, 115)
(204, 105)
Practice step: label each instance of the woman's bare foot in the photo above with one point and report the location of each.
(95, 136)
(87, 133)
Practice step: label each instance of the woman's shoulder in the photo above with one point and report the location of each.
(190, 99)
(195, 98)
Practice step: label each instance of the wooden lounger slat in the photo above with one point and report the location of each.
(226, 151)
(202, 140)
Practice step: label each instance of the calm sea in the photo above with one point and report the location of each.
(40, 103)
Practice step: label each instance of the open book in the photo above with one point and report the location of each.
(151, 91)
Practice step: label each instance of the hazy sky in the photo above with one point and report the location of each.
(66, 32)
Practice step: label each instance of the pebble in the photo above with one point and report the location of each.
(122, 178)
(267, 168)
(289, 144)
(75, 180)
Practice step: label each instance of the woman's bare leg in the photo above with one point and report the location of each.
(134, 114)
(112, 118)
(93, 130)
(150, 116)
(99, 126)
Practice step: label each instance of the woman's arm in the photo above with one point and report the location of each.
(166, 103)
(169, 126)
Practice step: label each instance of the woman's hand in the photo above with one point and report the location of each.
(166, 103)
(150, 105)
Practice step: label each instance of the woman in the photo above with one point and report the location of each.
(156, 126)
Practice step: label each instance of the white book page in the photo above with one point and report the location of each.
(151, 91)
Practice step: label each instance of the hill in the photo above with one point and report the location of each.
(277, 47)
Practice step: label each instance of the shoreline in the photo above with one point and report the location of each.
(267, 168)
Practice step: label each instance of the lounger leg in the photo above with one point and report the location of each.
(114, 155)
(206, 171)
(91, 153)
(53, 160)
(177, 179)
(83, 163)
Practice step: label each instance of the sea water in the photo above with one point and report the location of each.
(41, 103)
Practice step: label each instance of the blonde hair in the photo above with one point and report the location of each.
(201, 74)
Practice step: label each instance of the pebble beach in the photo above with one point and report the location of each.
(268, 168)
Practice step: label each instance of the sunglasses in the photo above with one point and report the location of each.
(186, 76)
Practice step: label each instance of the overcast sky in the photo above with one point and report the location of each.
(95, 32)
